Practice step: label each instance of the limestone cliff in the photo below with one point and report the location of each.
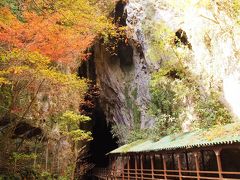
(212, 34)
(124, 87)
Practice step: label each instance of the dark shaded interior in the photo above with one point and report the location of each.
(120, 14)
(87, 68)
(231, 161)
(25, 130)
(103, 142)
(181, 37)
(174, 74)
(125, 54)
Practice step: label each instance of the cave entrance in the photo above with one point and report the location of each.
(103, 141)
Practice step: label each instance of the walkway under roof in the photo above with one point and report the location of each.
(218, 135)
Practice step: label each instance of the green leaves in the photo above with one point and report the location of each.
(173, 90)
(160, 39)
(69, 124)
(211, 111)
(165, 106)
(72, 120)
(15, 7)
(80, 135)
(72, 117)
(21, 156)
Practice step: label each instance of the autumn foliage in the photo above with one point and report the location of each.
(40, 34)
(61, 30)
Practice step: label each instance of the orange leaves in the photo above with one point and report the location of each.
(61, 30)
(44, 34)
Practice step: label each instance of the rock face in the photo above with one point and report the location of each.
(124, 86)
(213, 38)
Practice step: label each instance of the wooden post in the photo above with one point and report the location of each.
(197, 165)
(164, 167)
(219, 163)
(136, 167)
(141, 159)
(114, 167)
(123, 168)
(173, 161)
(152, 165)
(179, 166)
(111, 167)
(187, 161)
(128, 167)
(203, 160)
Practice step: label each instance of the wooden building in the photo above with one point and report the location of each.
(203, 154)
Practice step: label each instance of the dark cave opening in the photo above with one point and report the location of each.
(181, 37)
(120, 13)
(103, 141)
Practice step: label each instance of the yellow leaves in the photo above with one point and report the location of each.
(29, 69)
(69, 125)
(104, 6)
(6, 16)
(67, 80)
(76, 12)
(31, 59)
(71, 117)
(80, 135)
(4, 81)
(231, 8)
(17, 70)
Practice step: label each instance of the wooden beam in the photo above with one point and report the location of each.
(179, 166)
(152, 165)
(173, 161)
(219, 163)
(141, 162)
(164, 167)
(123, 167)
(114, 167)
(203, 160)
(136, 167)
(197, 165)
(128, 167)
(187, 161)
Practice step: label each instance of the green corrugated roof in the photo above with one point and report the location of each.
(227, 134)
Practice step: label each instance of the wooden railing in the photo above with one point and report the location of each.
(149, 174)
(135, 167)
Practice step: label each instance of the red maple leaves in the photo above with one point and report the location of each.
(46, 35)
